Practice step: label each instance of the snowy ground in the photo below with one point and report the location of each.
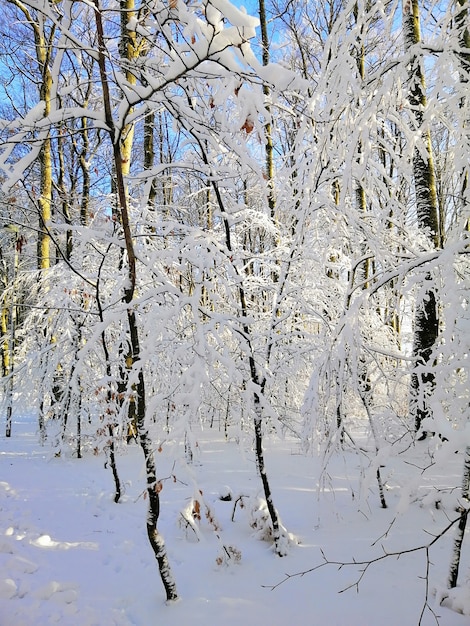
(69, 555)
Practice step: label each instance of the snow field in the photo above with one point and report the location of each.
(70, 556)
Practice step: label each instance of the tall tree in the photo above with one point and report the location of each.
(426, 323)
(268, 130)
(463, 34)
(120, 150)
(44, 32)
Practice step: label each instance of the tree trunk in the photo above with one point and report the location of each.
(149, 153)
(156, 540)
(43, 48)
(43, 52)
(110, 419)
(11, 338)
(426, 323)
(269, 146)
(86, 184)
(360, 192)
(258, 387)
(461, 22)
(463, 510)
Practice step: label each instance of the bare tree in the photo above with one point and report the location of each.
(44, 33)
(426, 323)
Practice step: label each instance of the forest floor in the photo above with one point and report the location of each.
(70, 555)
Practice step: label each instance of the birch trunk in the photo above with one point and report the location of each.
(461, 22)
(463, 510)
(426, 323)
(464, 58)
(269, 146)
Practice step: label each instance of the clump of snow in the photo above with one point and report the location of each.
(236, 17)
(225, 493)
(8, 588)
(456, 599)
(65, 593)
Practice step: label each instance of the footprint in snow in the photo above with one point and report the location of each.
(6, 547)
(19, 564)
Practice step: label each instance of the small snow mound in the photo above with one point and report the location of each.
(457, 599)
(8, 588)
(260, 521)
(7, 490)
(63, 593)
(225, 494)
(172, 601)
(44, 541)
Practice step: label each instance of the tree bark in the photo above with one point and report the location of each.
(464, 509)
(461, 22)
(426, 323)
(44, 49)
(156, 540)
(255, 380)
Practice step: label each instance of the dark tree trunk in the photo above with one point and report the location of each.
(423, 378)
(156, 540)
(426, 325)
(463, 510)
